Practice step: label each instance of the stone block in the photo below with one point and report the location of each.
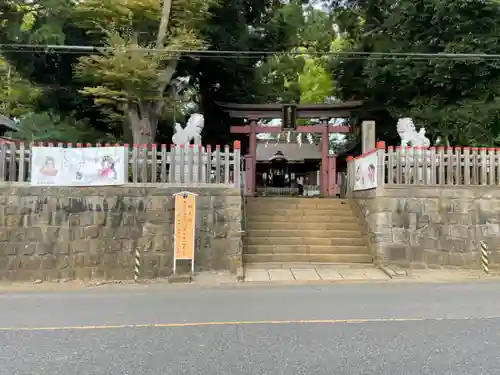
(62, 248)
(33, 233)
(63, 262)
(15, 263)
(66, 274)
(91, 231)
(84, 273)
(45, 248)
(80, 246)
(111, 246)
(13, 221)
(49, 262)
(397, 253)
(31, 263)
(162, 243)
(91, 260)
(28, 248)
(99, 218)
(9, 248)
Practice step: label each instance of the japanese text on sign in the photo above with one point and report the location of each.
(185, 206)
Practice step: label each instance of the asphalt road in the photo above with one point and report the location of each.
(336, 329)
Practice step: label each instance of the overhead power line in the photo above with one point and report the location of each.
(348, 55)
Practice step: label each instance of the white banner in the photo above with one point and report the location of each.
(90, 166)
(365, 172)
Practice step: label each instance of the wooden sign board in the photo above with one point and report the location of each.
(184, 227)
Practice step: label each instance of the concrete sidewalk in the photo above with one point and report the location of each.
(362, 273)
(327, 273)
(339, 273)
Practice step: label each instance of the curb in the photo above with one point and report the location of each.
(240, 274)
(393, 271)
(175, 279)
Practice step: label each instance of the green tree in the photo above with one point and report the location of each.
(238, 26)
(17, 95)
(50, 71)
(315, 82)
(131, 75)
(291, 77)
(46, 126)
(454, 98)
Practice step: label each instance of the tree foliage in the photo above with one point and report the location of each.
(131, 82)
(17, 95)
(296, 78)
(143, 40)
(456, 99)
(47, 126)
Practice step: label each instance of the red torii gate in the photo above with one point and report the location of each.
(289, 113)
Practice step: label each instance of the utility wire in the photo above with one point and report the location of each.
(347, 55)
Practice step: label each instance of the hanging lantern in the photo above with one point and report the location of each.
(299, 139)
(288, 135)
(310, 138)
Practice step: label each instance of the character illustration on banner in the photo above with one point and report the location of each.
(358, 177)
(365, 175)
(49, 167)
(107, 170)
(371, 174)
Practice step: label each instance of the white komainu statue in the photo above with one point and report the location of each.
(193, 129)
(183, 136)
(410, 137)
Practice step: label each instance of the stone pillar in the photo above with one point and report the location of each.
(249, 176)
(367, 136)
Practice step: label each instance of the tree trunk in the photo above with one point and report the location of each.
(143, 126)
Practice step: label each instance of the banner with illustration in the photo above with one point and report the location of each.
(90, 166)
(365, 169)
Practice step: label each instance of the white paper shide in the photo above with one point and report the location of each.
(92, 166)
(365, 176)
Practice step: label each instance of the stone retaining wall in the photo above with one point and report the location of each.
(431, 226)
(85, 233)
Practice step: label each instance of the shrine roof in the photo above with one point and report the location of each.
(291, 151)
(305, 111)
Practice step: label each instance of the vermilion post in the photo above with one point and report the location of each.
(324, 158)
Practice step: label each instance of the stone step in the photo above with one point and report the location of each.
(305, 203)
(308, 265)
(303, 249)
(308, 241)
(289, 218)
(289, 206)
(299, 211)
(306, 258)
(317, 233)
(265, 223)
(299, 202)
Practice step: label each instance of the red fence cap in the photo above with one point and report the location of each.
(380, 145)
(237, 145)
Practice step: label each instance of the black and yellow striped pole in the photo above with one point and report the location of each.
(485, 262)
(137, 266)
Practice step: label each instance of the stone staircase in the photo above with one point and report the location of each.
(302, 231)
